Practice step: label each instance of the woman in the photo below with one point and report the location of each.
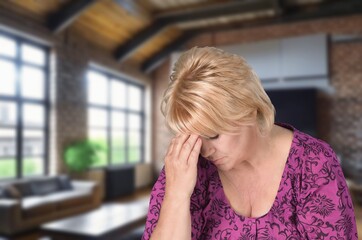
(231, 173)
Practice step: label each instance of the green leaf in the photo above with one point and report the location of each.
(81, 155)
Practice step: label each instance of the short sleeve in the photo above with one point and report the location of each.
(157, 195)
(324, 209)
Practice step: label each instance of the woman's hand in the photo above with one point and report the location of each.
(181, 166)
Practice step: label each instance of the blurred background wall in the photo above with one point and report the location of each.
(338, 110)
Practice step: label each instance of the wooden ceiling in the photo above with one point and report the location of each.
(146, 31)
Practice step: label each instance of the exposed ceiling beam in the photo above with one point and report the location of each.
(68, 14)
(134, 43)
(217, 10)
(157, 58)
(279, 6)
(287, 16)
(294, 14)
(321, 10)
(212, 11)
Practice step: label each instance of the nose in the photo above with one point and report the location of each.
(206, 149)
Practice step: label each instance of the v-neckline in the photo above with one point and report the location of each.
(223, 195)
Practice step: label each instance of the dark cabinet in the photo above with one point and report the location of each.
(120, 181)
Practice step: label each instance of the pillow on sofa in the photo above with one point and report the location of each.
(9, 192)
(3, 193)
(24, 188)
(45, 186)
(64, 182)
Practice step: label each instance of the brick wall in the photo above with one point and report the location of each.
(339, 113)
(345, 110)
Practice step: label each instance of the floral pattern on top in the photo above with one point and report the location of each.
(313, 201)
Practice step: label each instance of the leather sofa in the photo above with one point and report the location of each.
(27, 203)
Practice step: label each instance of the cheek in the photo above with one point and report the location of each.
(241, 145)
(206, 148)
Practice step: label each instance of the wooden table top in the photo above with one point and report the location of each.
(96, 224)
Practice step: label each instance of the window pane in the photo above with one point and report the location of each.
(33, 166)
(32, 83)
(118, 94)
(7, 168)
(134, 155)
(100, 136)
(7, 77)
(102, 161)
(8, 47)
(118, 139)
(33, 115)
(97, 118)
(134, 98)
(134, 121)
(7, 143)
(118, 156)
(33, 143)
(134, 138)
(97, 88)
(32, 54)
(118, 120)
(8, 114)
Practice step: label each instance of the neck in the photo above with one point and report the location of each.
(258, 162)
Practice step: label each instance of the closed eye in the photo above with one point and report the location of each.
(215, 137)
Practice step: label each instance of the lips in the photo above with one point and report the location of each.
(217, 160)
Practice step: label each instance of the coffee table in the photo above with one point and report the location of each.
(110, 221)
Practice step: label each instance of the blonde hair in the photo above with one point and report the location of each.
(214, 92)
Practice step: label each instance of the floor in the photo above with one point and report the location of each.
(145, 192)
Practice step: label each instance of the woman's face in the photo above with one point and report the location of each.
(227, 151)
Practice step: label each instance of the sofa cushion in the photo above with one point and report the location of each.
(45, 186)
(35, 206)
(3, 193)
(71, 198)
(24, 188)
(64, 182)
(9, 191)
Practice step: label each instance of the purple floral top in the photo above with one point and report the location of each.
(312, 202)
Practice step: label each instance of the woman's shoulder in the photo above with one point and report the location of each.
(310, 157)
(310, 147)
(306, 146)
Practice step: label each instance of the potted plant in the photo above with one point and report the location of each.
(81, 155)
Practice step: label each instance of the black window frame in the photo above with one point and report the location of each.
(19, 101)
(109, 109)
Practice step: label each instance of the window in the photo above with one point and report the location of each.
(116, 117)
(23, 108)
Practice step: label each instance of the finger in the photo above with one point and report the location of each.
(194, 155)
(187, 148)
(170, 147)
(179, 141)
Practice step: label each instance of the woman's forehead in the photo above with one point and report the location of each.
(203, 135)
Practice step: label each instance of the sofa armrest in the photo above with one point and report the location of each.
(84, 185)
(90, 186)
(10, 215)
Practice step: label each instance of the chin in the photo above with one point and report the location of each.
(224, 166)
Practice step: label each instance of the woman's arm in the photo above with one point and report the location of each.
(174, 221)
(172, 218)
